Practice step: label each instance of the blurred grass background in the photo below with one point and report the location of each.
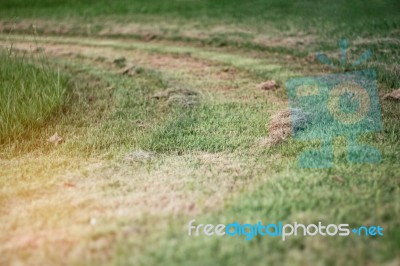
(283, 14)
(324, 17)
(312, 25)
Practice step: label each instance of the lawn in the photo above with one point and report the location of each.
(30, 94)
(162, 122)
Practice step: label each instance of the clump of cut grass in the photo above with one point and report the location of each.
(282, 124)
(29, 94)
(178, 97)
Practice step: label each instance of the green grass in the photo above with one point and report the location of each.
(365, 198)
(29, 95)
(313, 25)
(211, 128)
(101, 121)
(355, 16)
(287, 193)
(206, 154)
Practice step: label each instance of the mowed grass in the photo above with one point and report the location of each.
(30, 94)
(355, 16)
(110, 115)
(211, 128)
(364, 198)
(282, 27)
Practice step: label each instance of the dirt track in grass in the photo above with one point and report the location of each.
(80, 202)
(71, 204)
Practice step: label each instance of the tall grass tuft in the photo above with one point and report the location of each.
(30, 92)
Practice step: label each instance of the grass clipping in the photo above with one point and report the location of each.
(282, 124)
(178, 97)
